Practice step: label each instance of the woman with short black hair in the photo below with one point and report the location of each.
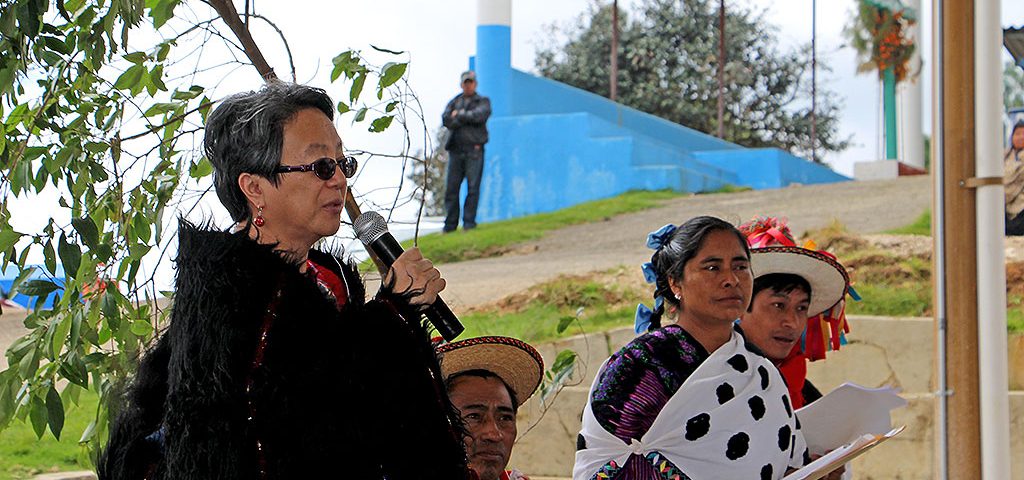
(273, 365)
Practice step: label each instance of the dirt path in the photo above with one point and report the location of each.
(864, 207)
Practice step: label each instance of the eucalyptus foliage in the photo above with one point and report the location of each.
(97, 124)
(1013, 86)
(668, 59)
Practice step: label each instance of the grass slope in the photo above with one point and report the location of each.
(493, 239)
(24, 456)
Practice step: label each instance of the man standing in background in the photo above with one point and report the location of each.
(466, 119)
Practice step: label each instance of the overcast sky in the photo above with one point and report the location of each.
(440, 36)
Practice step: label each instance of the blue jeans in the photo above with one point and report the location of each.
(469, 165)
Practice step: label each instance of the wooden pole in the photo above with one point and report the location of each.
(814, 80)
(614, 56)
(962, 422)
(721, 68)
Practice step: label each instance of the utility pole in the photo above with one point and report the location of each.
(721, 68)
(614, 80)
(956, 244)
(814, 80)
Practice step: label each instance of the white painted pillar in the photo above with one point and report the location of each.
(991, 257)
(908, 99)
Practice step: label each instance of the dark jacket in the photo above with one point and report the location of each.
(469, 127)
(337, 394)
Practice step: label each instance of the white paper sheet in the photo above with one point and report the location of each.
(846, 414)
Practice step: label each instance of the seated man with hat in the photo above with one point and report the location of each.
(488, 379)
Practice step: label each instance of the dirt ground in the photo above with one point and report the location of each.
(863, 207)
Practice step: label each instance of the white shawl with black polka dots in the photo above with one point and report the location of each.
(732, 419)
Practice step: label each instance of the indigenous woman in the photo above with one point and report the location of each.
(797, 311)
(273, 366)
(691, 399)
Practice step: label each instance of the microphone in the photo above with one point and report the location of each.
(372, 230)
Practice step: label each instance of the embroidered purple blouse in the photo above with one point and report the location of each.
(637, 383)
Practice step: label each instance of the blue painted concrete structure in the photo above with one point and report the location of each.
(553, 145)
(8, 276)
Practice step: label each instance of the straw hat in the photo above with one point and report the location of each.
(514, 361)
(828, 279)
(773, 250)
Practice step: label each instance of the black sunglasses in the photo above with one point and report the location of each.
(324, 168)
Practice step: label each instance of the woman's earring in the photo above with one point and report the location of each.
(259, 221)
(677, 297)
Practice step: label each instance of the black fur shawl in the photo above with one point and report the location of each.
(340, 395)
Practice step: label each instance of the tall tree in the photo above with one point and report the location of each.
(1013, 86)
(668, 54)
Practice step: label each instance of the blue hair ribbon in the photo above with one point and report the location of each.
(649, 274)
(643, 319)
(660, 237)
(643, 316)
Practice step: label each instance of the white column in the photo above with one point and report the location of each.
(992, 355)
(908, 99)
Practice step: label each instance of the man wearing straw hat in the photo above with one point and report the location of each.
(797, 310)
(487, 379)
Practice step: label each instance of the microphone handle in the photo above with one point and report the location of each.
(444, 320)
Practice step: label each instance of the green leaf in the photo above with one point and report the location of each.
(343, 107)
(381, 124)
(96, 147)
(163, 51)
(8, 238)
(72, 6)
(102, 252)
(22, 277)
(564, 322)
(37, 415)
(87, 230)
(136, 57)
(391, 107)
(54, 412)
(141, 328)
(345, 62)
(70, 256)
(60, 334)
(360, 115)
(131, 78)
(163, 11)
(357, 87)
(76, 327)
(56, 45)
(89, 433)
(201, 168)
(7, 405)
(392, 73)
(141, 226)
(50, 257)
(192, 92)
(37, 288)
(161, 108)
(29, 364)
